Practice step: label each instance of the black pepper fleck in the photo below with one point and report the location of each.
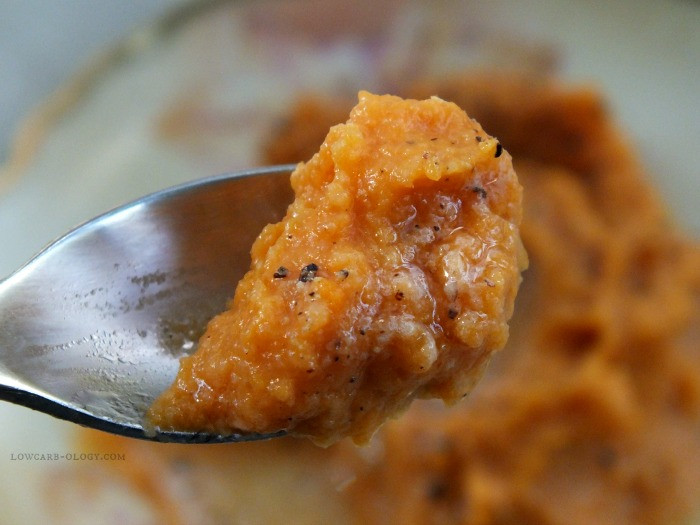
(489, 283)
(311, 294)
(399, 296)
(281, 273)
(343, 274)
(362, 332)
(308, 273)
(436, 228)
(499, 149)
(480, 191)
(479, 138)
(352, 379)
(452, 313)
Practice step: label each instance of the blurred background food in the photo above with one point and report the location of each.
(592, 413)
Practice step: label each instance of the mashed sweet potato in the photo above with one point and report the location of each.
(392, 276)
(591, 415)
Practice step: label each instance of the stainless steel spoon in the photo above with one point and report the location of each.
(92, 328)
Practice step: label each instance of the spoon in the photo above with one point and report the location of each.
(93, 327)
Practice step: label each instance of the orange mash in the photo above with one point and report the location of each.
(591, 415)
(392, 276)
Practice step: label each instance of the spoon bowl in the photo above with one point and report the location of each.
(93, 327)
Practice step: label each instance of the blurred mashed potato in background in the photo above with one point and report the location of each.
(592, 412)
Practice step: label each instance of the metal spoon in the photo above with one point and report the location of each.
(92, 328)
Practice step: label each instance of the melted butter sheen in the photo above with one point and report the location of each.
(392, 276)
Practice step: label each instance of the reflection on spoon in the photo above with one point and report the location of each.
(92, 328)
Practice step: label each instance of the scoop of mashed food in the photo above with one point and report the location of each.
(392, 276)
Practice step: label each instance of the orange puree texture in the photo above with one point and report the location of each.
(591, 415)
(392, 276)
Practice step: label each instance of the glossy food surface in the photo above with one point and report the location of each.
(392, 276)
(590, 415)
